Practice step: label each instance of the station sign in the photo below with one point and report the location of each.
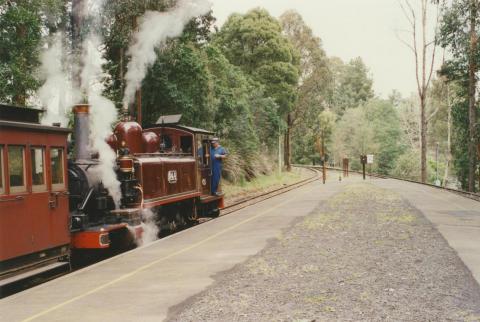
(369, 158)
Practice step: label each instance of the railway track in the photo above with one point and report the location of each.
(470, 195)
(32, 281)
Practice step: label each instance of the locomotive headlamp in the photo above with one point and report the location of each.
(126, 164)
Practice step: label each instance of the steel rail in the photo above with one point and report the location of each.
(466, 194)
(248, 201)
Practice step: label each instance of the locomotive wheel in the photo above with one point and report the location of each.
(215, 213)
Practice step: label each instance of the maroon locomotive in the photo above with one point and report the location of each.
(164, 169)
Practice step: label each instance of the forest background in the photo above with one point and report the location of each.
(264, 84)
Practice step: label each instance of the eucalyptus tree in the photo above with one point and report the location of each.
(254, 42)
(313, 84)
(460, 33)
(424, 51)
(24, 25)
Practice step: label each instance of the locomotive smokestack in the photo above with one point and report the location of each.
(82, 131)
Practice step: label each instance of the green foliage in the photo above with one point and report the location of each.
(313, 86)
(20, 37)
(24, 27)
(370, 129)
(408, 165)
(383, 117)
(254, 42)
(455, 35)
(178, 83)
(460, 139)
(353, 86)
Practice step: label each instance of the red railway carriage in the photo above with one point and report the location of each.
(34, 219)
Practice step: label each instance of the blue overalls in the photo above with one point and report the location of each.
(216, 166)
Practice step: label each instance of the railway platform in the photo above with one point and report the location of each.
(169, 277)
(457, 218)
(141, 285)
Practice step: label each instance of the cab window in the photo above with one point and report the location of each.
(165, 142)
(2, 182)
(37, 157)
(186, 144)
(16, 168)
(56, 166)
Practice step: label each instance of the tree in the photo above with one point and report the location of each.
(459, 32)
(353, 86)
(254, 42)
(20, 38)
(373, 128)
(410, 122)
(442, 96)
(119, 23)
(382, 116)
(424, 64)
(314, 76)
(353, 137)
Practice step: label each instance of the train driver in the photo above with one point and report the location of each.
(217, 154)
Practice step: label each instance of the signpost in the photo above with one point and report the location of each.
(363, 160)
(345, 167)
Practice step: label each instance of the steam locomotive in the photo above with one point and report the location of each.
(51, 204)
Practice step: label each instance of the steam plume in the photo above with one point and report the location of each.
(150, 228)
(56, 94)
(103, 115)
(154, 30)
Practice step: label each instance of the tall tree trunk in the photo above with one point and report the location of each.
(423, 71)
(449, 138)
(423, 95)
(423, 140)
(287, 147)
(472, 118)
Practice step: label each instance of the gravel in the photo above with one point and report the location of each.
(366, 255)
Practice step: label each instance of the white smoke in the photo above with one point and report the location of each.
(56, 94)
(150, 228)
(155, 27)
(102, 115)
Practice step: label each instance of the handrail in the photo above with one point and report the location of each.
(17, 198)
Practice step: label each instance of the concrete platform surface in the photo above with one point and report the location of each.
(456, 217)
(143, 284)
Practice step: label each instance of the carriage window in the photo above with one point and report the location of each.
(56, 159)
(2, 189)
(186, 144)
(37, 156)
(16, 168)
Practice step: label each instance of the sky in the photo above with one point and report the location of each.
(348, 29)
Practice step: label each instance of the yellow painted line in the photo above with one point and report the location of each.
(142, 268)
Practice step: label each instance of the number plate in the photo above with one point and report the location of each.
(172, 176)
